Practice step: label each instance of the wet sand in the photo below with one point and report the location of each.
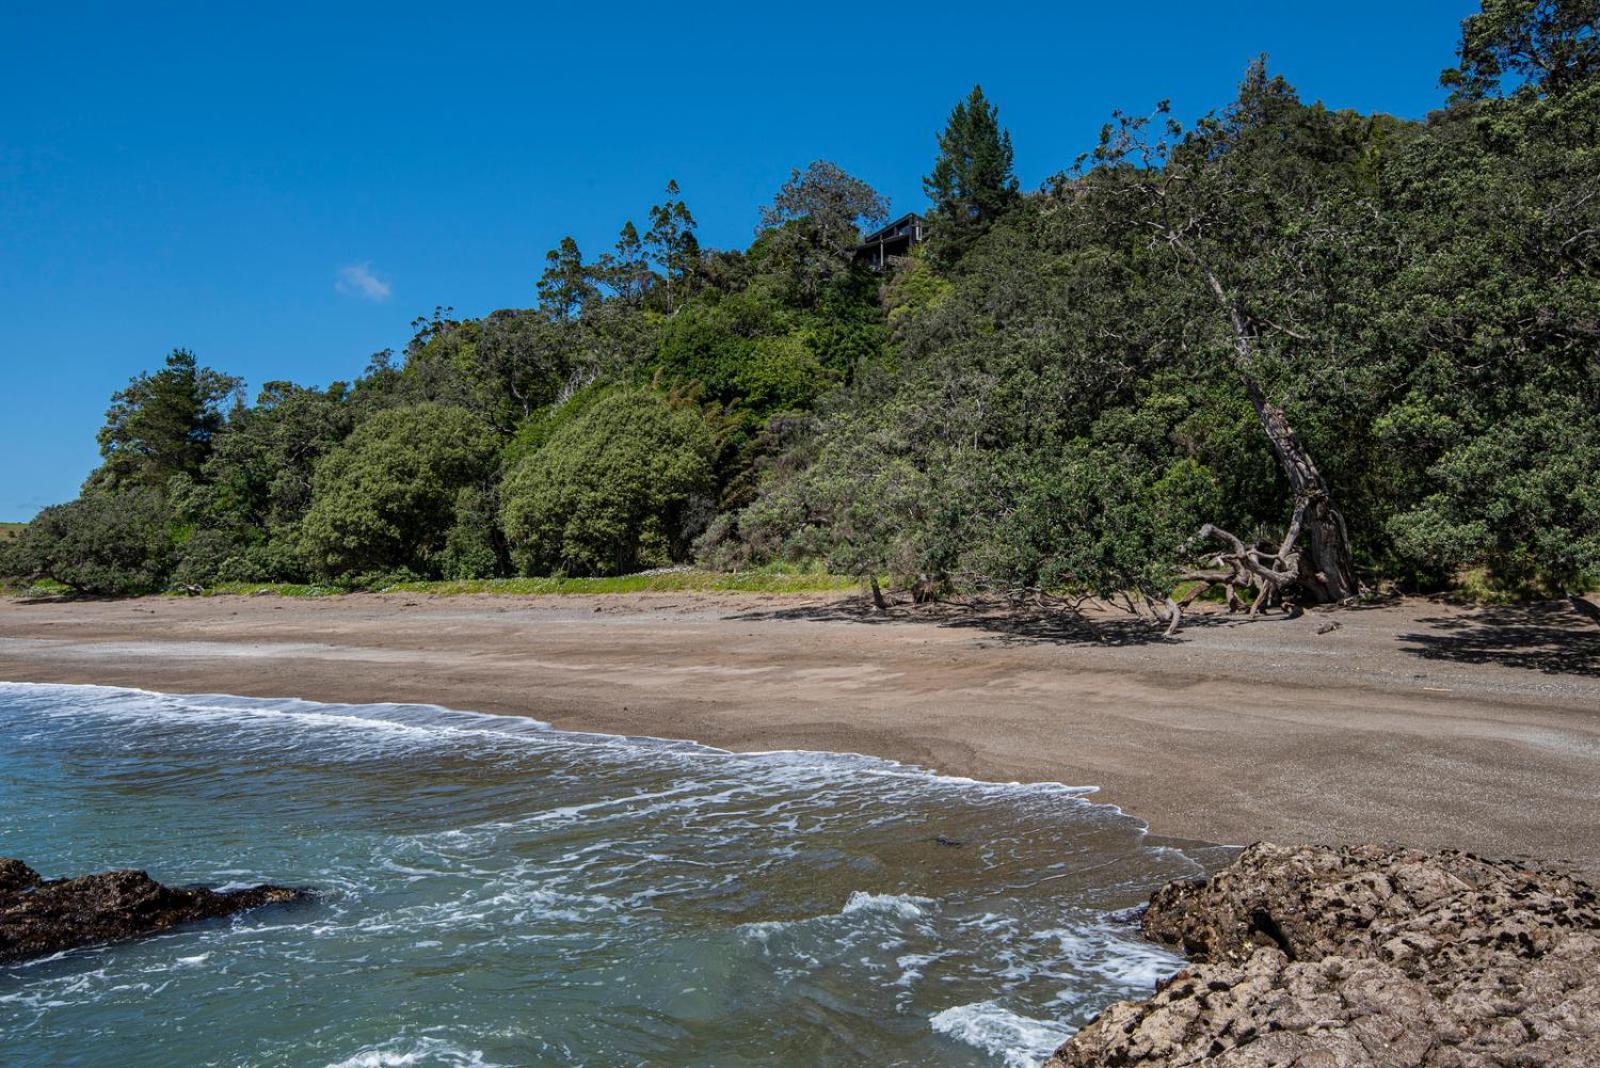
(1412, 724)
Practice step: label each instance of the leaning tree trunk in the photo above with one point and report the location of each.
(1324, 569)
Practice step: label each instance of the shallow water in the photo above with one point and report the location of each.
(494, 892)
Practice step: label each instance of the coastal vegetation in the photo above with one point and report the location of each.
(1281, 352)
(666, 580)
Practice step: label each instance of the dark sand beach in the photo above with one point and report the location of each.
(1418, 723)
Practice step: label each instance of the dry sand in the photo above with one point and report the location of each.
(1417, 723)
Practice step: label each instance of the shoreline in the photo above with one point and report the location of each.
(1413, 724)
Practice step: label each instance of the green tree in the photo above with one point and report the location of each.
(971, 184)
(259, 473)
(567, 285)
(1230, 201)
(521, 363)
(106, 543)
(1521, 499)
(162, 423)
(386, 498)
(626, 269)
(1545, 46)
(625, 484)
(672, 245)
(814, 223)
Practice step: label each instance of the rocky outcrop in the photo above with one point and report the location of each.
(1316, 957)
(43, 916)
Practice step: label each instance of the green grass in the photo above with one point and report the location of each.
(669, 582)
(9, 531)
(36, 588)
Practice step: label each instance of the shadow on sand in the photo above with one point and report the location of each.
(1556, 637)
(1010, 624)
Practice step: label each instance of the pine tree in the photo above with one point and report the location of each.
(162, 424)
(972, 182)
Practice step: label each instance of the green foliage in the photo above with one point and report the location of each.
(258, 477)
(162, 424)
(742, 350)
(1521, 499)
(472, 548)
(1544, 45)
(625, 270)
(386, 498)
(914, 291)
(671, 243)
(814, 226)
(624, 485)
(1051, 393)
(567, 285)
(107, 542)
(972, 183)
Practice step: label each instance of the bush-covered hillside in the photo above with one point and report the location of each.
(1302, 350)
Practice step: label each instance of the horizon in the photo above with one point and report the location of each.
(284, 202)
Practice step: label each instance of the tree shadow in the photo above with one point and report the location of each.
(1007, 623)
(1555, 637)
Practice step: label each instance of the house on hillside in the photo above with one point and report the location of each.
(895, 239)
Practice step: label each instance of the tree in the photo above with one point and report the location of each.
(1521, 499)
(162, 424)
(672, 245)
(105, 543)
(626, 269)
(566, 286)
(813, 225)
(386, 498)
(521, 363)
(625, 484)
(971, 183)
(259, 473)
(1548, 46)
(1224, 200)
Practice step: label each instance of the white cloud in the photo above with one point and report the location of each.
(357, 280)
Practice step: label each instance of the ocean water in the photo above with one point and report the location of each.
(495, 892)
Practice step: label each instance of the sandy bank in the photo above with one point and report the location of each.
(1416, 724)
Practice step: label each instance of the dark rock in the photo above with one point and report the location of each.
(953, 843)
(1324, 958)
(15, 875)
(43, 916)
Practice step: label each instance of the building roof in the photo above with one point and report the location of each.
(893, 229)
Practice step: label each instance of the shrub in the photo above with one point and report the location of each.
(385, 499)
(624, 485)
(114, 542)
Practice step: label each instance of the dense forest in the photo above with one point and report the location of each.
(1284, 352)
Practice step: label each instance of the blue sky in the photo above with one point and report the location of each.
(283, 193)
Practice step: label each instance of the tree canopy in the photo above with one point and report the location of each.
(1294, 351)
(972, 182)
(163, 422)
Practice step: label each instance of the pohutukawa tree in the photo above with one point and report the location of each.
(1229, 201)
(814, 223)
